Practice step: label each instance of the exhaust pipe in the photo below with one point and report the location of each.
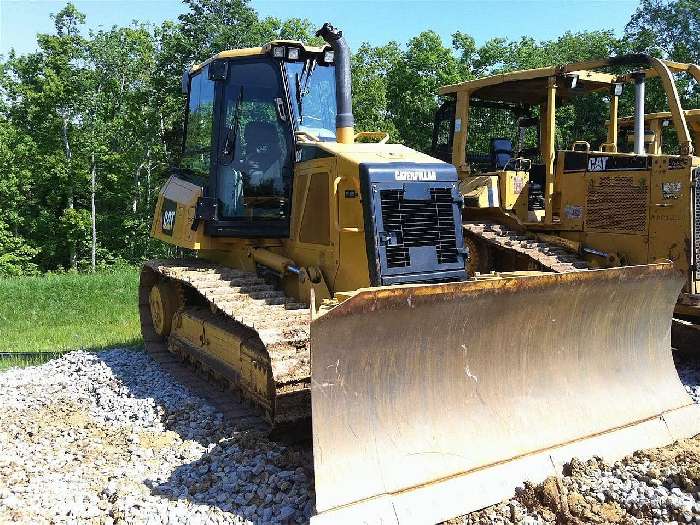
(344, 121)
(639, 114)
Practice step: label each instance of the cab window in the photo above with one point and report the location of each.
(443, 131)
(255, 174)
(200, 116)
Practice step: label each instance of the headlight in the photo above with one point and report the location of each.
(328, 56)
(278, 51)
(293, 53)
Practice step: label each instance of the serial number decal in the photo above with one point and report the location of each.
(671, 190)
(675, 163)
(573, 211)
(415, 175)
(518, 184)
(167, 222)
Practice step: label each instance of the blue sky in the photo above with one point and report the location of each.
(371, 21)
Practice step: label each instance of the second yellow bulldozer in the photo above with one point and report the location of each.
(326, 279)
(549, 184)
(659, 131)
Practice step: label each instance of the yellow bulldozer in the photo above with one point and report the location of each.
(550, 184)
(326, 278)
(659, 131)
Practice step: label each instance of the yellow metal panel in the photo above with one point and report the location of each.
(573, 189)
(231, 53)
(315, 223)
(670, 212)
(300, 188)
(612, 123)
(529, 74)
(375, 153)
(352, 265)
(300, 247)
(630, 249)
(480, 191)
(513, 190)
(219, 343)
(184, 195)
(256, 51)
(459, 142)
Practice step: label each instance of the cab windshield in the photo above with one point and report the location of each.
(312, 91)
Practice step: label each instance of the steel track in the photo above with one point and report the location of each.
(236, 301)
(544, 256)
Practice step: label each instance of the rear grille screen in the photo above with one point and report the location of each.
(415, 223)
(617, 204)
(696, 221)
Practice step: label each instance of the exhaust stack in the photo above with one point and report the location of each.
(344, 120)
(639, 114)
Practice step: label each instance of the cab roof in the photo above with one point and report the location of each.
(529, 86)
(257, 51)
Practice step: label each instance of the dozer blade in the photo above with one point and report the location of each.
(430, 401)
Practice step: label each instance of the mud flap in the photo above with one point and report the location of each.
(431, 401)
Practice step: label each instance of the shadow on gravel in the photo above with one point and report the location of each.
(242, 471)
(250, 477)
(176, 407)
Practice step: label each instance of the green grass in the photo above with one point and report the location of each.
(64, 312)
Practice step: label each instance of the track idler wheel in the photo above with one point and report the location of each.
(164, 301)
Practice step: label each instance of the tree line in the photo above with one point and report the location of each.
(91, 122)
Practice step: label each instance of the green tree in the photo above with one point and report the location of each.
(16, 251)
(412, 85)
(43, 90)
(370, 71)
(668, 29)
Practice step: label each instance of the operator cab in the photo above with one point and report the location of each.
(244, 108)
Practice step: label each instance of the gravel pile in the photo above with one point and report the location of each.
(110, 438)
(649, 487)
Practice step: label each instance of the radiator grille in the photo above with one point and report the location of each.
(696, 221)
(617, 204)
(415, 223)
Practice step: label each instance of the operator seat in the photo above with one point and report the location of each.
(501, 151)
(262, 145)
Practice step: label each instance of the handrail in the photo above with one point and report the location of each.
(306, 137)
(685, 143)
(581, 143)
